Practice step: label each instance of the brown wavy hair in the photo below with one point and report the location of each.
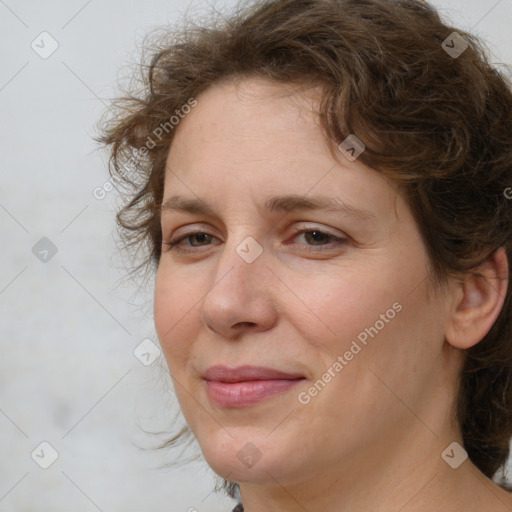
(439, 124)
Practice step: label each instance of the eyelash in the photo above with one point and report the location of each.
(173, 243)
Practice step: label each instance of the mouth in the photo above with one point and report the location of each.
(246, 385)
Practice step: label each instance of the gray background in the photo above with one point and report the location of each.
(68, 374)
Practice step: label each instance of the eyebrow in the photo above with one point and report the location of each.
(287, 203)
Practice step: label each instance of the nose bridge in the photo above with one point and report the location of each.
(241, 262)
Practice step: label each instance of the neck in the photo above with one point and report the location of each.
(407, 473)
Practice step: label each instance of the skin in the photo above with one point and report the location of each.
(372, 439)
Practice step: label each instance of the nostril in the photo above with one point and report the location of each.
(244, 324)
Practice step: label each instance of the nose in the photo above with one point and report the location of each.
(241, 295)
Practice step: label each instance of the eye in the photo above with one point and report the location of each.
(199, 236)
(316, 240)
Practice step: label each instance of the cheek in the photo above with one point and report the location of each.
(374, 317)
(173, 305)
(336, 307)
(382, 358)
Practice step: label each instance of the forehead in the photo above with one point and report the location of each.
(239, 115)
(264, 137)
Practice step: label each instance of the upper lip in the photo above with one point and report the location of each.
(246, 373)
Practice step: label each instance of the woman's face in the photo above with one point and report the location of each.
(334, 297)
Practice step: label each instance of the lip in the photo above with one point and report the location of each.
(245, 373)
(246, 385)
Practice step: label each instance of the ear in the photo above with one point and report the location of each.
(479, 301)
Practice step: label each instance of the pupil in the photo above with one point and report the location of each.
(317, 235)
(201, 237)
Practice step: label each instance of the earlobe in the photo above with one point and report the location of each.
(479, 301)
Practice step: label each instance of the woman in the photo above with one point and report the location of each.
(321, 185)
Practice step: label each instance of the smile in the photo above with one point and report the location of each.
(246, 385)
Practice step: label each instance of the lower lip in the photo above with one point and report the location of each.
(239, 394)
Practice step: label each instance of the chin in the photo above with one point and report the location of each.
(243, 456)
